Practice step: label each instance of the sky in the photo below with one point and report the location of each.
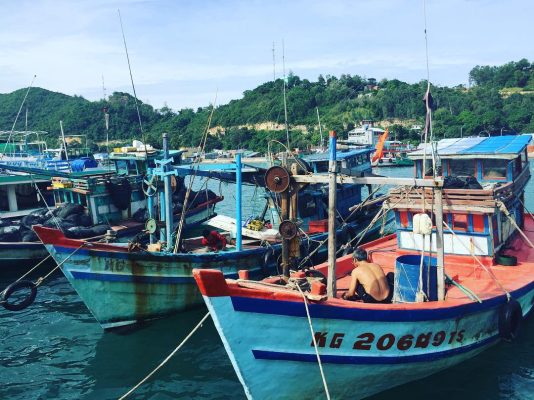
(189, 54)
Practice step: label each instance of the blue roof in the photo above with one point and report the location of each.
(340, 155)
(499, 146)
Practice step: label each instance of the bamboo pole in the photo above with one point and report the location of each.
(438, 212)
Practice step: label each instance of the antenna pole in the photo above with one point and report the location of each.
(63, 139)
(284, 90)
(18, 113)
(320, 129)
(133, 86)
(274, 66)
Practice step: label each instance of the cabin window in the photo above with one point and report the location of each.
(494, 169)
(429, 171)
(322, 166)
(462, 168)
(460, 222)
(126, 167)
(524, 157)
(517, 166)
(478, 223)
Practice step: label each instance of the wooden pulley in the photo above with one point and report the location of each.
(277, 179)
(288, 229)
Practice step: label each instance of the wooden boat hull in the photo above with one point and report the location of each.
(17, 254)
(123, 288)
(364, 348)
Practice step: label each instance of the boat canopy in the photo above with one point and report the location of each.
(507, 147)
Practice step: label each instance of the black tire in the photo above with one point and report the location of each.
(509, 261)
(14, 287)
(269, 261)
(510, 317)
(313, 273)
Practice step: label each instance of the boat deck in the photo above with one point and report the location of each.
(463, 269)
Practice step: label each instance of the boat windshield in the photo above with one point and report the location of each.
(462, 167)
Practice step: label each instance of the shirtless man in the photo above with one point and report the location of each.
(368, 281)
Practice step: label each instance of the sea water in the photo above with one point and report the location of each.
(56, 350)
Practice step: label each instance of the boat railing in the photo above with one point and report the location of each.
(483, 200)
(453, 199)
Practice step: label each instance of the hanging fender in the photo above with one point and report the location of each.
(510, 317)
(15, 287)
(269, 262)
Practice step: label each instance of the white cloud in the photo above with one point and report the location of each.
(182, 51)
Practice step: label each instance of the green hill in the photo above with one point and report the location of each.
(501, 98)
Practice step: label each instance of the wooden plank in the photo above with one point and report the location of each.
(370, 180)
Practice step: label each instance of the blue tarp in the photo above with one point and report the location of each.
(82, 163)
(495, 145)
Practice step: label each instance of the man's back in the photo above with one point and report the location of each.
(373, 280)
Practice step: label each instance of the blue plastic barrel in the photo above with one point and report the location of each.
(407, 278)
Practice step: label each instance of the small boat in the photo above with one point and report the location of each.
(463, 265)
(155, 279)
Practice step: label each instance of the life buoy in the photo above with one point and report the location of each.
(14, 287)
(510, 316)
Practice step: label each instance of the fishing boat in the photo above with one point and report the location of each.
(462, 259)
(114, 198)
(155, 279)
(365, 135)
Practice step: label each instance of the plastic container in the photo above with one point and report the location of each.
(318, 226)
(407, 278)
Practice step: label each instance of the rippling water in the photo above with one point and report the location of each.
(56, 350)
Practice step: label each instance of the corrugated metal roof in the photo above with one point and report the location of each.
(495, 145)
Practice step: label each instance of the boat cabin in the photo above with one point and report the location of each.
(103, 192)
(483, 195)
(313, 199)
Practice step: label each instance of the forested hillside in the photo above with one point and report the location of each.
(499, 99)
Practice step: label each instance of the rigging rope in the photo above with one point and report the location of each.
(489, 271)
(196, 163)
(314, 342)
(199, 325)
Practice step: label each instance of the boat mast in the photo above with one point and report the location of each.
(284, 91)
(168, 192)
(320, 128)
(238, 184)
(332, 172)
(438, 191)
(63, 139)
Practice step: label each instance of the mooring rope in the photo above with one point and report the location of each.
(41, 279)
(314, 342)
(489, 271)
(199, 325)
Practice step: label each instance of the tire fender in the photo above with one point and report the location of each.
(14, 287)
(510, 317)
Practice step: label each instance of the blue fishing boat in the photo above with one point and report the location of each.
(147, 281)
(90, 202)
(462, 262)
